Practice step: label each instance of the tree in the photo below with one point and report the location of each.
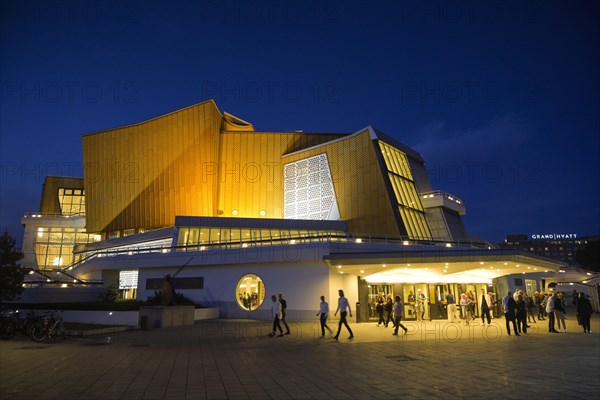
(589, 256)
(11, 273)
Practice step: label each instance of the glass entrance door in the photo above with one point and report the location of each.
(374, 291)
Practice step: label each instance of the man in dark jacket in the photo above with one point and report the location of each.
(584, 312)
(510, 306)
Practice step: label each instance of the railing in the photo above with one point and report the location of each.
(437, 193)
(328, 238)
(40, 215)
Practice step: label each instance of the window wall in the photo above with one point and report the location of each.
(194, 238)
(72, 201)
(54, 245)
(407, 199)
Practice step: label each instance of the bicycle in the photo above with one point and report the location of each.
(49, 327)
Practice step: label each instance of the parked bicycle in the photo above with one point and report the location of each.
(49, 327)
(14, 321)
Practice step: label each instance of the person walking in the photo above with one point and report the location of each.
(283, 313)
(510, 306)
(529, 306)
(276, 315)
(343, 305)
(389, 307)
(451, 307)
(560, 312)
(473, 305)
(465, 304)
(486, 304)
(584, 312)
(550, 302)
(521, 314)
(538, 299)
(323, 314)
(398, 314)
(379, 309)
(421, 301)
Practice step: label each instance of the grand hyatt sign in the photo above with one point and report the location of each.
(554, 236)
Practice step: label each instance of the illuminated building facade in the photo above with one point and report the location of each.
(559, 246)
(234, 214)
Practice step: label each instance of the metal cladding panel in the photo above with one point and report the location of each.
(142, 175)
(362, 197)
(251, 172)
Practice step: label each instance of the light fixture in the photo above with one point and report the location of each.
(359, 240)
(339, 266)
(234, 212)
(263, 213)
(362, 271)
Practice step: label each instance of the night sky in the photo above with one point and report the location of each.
(501, 99)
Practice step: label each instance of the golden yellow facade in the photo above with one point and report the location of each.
(198, 162)
(360, 189)
(142, 175)
(193, 161)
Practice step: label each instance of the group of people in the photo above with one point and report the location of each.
(392, 311)
(343, 308)
(278, 313)
(468, 304)
(419, 303)
(518, 311)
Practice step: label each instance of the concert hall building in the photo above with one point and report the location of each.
(235, 214)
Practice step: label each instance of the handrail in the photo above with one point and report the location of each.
(447, 195)
(221, 245)
(40, 215)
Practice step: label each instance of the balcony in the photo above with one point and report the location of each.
(439, 198)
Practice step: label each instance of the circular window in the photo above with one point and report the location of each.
(250, 292)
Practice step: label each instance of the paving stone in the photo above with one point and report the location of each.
(201, 362)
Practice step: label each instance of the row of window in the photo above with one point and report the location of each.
(54, 246)
(192, 236)
(72, 201)
(409, 204)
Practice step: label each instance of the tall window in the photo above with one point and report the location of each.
(72, 201)
(407, 199)
(54, 246)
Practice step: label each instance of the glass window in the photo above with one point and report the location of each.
(250, 292)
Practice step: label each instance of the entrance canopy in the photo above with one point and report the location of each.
(439, 266)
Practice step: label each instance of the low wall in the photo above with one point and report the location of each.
(47, 294)
(166, 317)
(205, 313)
(127, 318)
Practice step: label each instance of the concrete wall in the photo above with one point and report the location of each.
(49, 294)
(302, 283)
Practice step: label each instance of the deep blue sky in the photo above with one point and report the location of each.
(502, 99)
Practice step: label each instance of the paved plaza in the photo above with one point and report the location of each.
(234, 359)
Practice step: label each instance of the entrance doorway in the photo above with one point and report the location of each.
(374, 291)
